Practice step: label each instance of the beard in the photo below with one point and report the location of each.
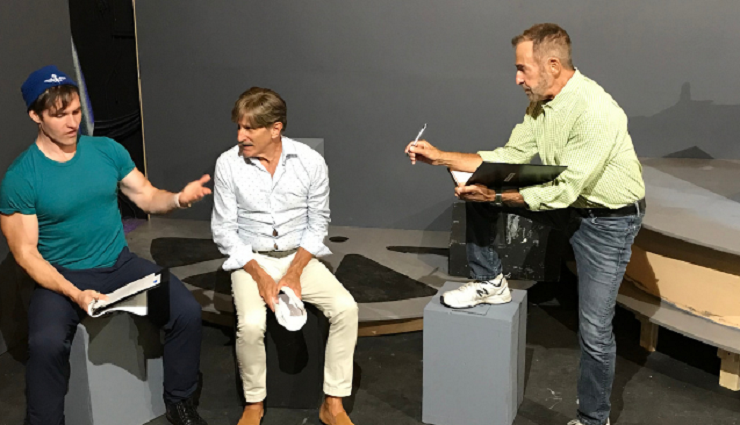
(537, 93)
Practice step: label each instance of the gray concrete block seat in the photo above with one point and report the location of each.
(474, 361)
(117, 372)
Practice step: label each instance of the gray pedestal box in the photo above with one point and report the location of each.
(116, 372)
(474, 362)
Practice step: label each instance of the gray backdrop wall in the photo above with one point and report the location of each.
(366, 76)
(32, 34)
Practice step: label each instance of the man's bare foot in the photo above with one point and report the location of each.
(253, 413)
(332, 412)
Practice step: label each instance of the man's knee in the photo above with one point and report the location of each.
(186, 309)
(597, 337)
(344, 307)
(191, 312)
(48, 343)
(251, 326)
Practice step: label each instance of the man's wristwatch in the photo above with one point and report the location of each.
(499, 200)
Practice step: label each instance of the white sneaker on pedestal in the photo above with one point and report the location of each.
(494, 291)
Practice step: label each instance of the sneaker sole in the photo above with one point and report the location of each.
(494, 299)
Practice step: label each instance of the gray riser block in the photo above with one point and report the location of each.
(474, 362)
(314, 143)
(116, 372)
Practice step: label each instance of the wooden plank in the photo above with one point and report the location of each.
(412, 308)
(684, 322)
(390, 327)
(708, 219)
(365, 329)
(652, 311)
(729, 372)
(648, 333)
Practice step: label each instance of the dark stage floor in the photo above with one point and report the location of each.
(677, 385)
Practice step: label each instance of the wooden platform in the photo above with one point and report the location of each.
(655, 313)
(390, 327)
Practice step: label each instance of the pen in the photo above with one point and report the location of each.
(419, 135)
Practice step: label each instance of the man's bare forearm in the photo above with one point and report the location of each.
(254, 269)
(45, 274)
(300, 261)
(458, 161)
(160, 202)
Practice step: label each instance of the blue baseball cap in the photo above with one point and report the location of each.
(39, 81)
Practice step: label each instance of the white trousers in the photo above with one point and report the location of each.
(320, 288)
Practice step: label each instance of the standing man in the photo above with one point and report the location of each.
(59, 214)
(270, 216)
(598, 200)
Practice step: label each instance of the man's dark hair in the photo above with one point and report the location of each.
(54, 99)
(548, 40)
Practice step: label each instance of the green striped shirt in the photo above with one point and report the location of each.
(585, 129)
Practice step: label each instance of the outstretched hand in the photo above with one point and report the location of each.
(195, 191)
(424, 152)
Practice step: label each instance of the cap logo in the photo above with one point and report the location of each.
(55, 79)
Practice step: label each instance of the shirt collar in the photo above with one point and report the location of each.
(565, 95)
(289, 149)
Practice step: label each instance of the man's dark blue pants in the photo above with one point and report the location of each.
(53, 320)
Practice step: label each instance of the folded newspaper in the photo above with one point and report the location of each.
(131, 298)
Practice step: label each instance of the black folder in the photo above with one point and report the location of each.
(514, 176)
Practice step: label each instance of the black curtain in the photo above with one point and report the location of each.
(104, 36)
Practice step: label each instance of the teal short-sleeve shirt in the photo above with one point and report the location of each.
(76, 202)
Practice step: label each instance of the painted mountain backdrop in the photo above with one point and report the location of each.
(689, 129)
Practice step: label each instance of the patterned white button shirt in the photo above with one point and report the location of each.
(254, 211)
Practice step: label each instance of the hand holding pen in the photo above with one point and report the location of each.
(421, 150)
(419, 135)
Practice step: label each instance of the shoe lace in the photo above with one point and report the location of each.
(188, 414)
(470, 285)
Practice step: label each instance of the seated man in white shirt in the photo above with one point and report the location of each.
(270, 216)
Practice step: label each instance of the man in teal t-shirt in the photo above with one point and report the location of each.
(59, 214)
(75, 202)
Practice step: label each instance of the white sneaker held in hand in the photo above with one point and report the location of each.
(494, 291)
(289, 310)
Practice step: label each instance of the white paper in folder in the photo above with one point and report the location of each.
(460, 176)
(130, 298)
